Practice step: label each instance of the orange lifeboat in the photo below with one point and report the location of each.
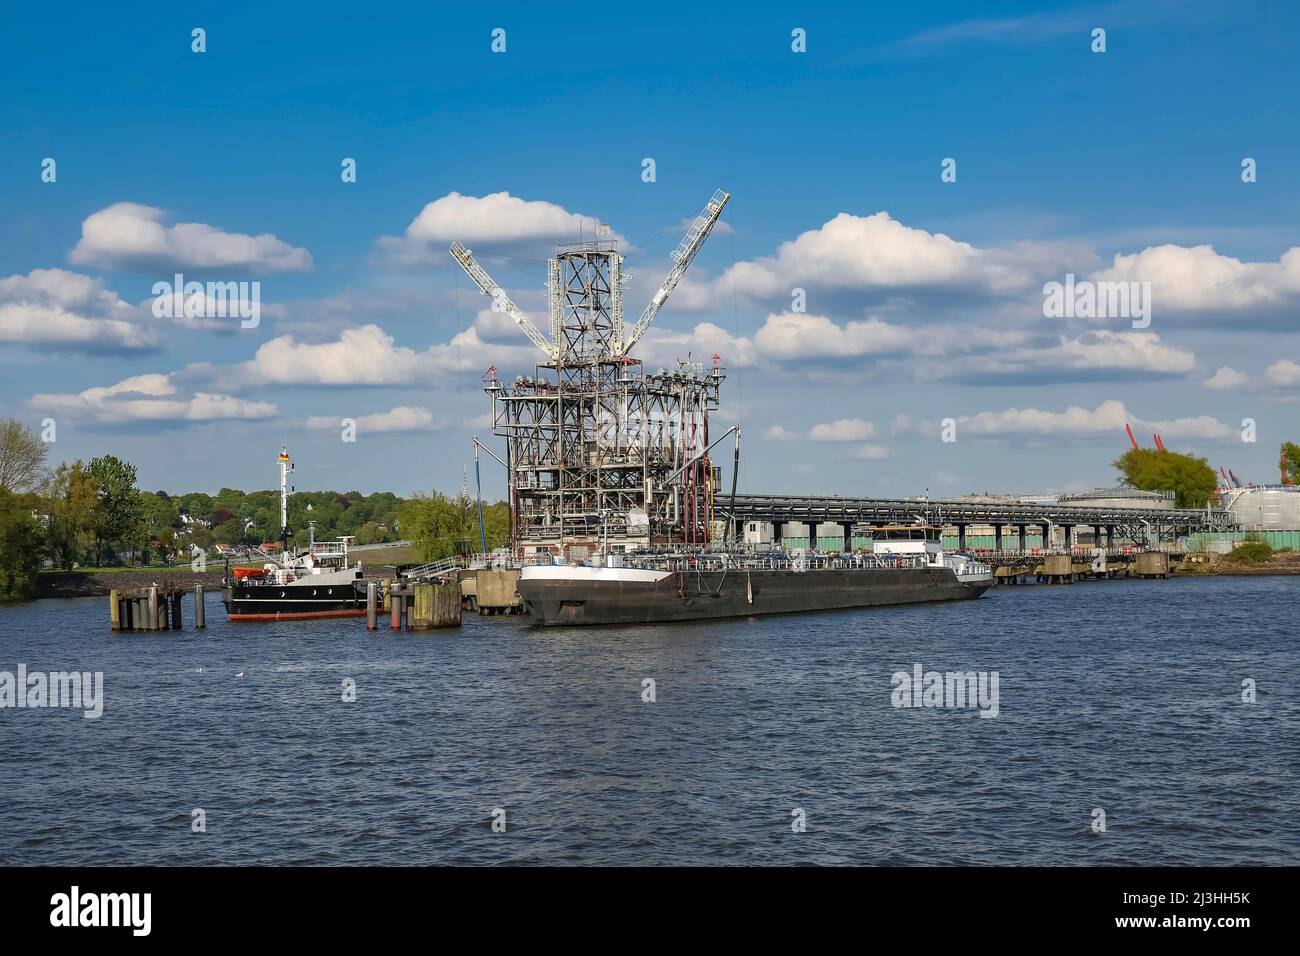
(241, 573)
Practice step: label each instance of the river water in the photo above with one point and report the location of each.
(1123, 697)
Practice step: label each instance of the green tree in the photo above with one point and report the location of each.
(22, 542)
(160, 513)
(439, 526)
(22, 456)
(369, 533)
(71, 501)
(167, 543)
(121, 511)
(496, 523)
(1291, 460)
(196, 503)
(200, 536)
(1191, 479)
(1251, 551)
(230, 531)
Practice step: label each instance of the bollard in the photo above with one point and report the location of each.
(198, 607)
(152, 613)
(395, 604)
(114, 610)
(372, 599)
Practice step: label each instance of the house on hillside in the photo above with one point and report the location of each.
(189, 522)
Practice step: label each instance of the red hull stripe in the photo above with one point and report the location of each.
(281, 616)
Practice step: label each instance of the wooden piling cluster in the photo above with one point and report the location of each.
(155, 608)
(417, 606)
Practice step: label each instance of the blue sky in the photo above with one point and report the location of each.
(924, 298)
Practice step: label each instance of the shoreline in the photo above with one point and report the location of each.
(72, 584)
(75, 584)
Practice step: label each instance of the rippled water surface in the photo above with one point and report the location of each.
(1124, 696)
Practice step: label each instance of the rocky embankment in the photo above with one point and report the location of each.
(91, 584)
(1195, 565)
(1286, 563)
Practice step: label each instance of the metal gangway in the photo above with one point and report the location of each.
(499, 558)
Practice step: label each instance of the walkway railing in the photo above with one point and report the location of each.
(460, 562)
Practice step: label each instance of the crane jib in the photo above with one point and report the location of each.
(698, 231)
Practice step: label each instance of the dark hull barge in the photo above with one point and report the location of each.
(578, 595)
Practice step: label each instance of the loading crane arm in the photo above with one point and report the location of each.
(499, 298)
(698, 231)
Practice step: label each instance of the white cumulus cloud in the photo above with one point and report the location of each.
(1283, 372)
(1109, 417)
(877, 252)
(132, 236)
(844, 429)
(1099, 353)
(802, 336)
(779, 433)
(1225, 377)
(870, 453)
(62, 310)
(403, 418)
(370, 356)
(150, 397)
(1199, 279)
(498, 219)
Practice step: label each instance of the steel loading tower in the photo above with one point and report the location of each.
(599, 452)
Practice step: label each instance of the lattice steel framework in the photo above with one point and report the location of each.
(598, 450)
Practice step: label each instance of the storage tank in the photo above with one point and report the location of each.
(1265, 507)
(1120, 498)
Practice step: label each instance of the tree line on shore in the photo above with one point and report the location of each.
(83, 514)
(91, 514)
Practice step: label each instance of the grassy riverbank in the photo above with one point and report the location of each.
(1283, 562)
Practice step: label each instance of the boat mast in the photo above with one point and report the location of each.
(285, 469)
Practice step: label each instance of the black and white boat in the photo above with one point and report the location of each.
(310, 583)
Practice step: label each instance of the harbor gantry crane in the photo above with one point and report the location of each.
(600, 451)
(700, 228)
